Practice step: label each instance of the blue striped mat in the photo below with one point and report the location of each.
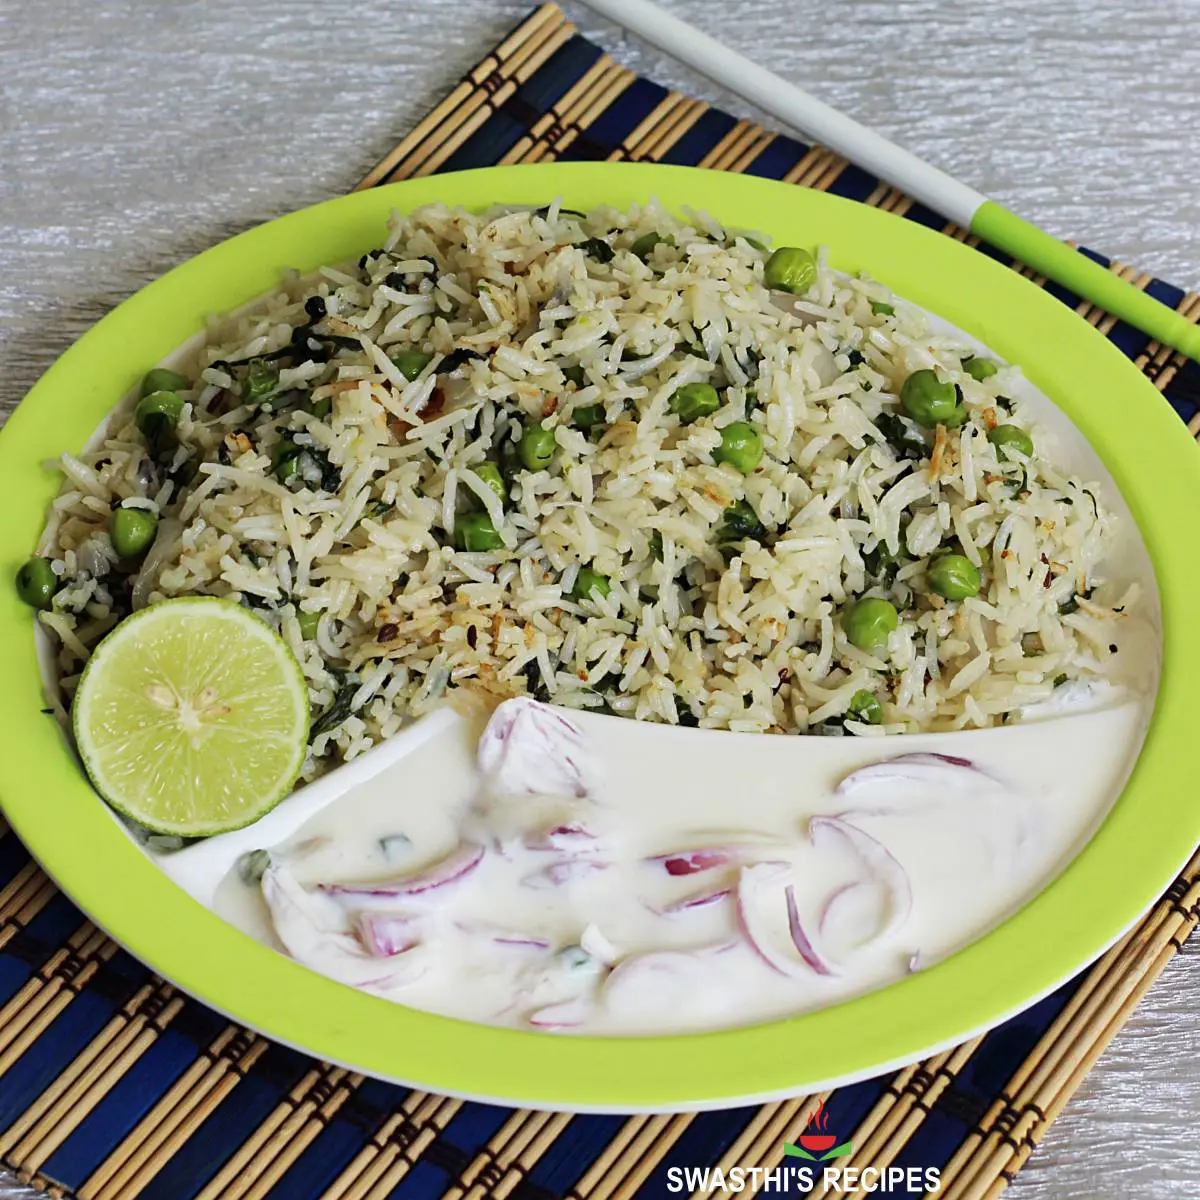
(113, 1085)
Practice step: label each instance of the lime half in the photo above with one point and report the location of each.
(192, 717)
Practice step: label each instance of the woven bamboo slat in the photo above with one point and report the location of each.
(411, 1133)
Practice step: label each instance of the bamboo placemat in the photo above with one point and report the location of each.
(114, 1085)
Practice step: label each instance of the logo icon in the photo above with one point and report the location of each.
(816, 1144)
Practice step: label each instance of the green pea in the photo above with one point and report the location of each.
(882, 310)
(590, 583)
(161, 379)
(475, 532)
(156, 413)
(490, 474)
(1011, 437)
(131, 530)
(954, 576)
(285, 460)
(37, 583)
(741, 447)
(410, 363)
(695, 400)
(882, 564)
(574, 374)
(868, 623)
(261, 380)
(308, 624)
(644, 246)
(321, 408)
(536, 447)
(979, 368)
(790, 269)
(865, 707)
(587, 415)
(927, 399)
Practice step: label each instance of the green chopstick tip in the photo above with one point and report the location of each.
(1087, 279)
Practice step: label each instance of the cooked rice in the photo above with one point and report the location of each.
(742, 635)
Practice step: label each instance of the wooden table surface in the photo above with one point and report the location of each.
(134, 134)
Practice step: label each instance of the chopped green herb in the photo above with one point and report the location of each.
(339, 709)
(410, 363)
(882, 564)
(261, 381)
(597, 248)
(1071, 603)
(740, 522)
(643, 247)
(1021, 483)
(585, 416)
(252, 866)
(562, 212)
(456, 359)
(882, 310)
(590, 583)
(904, 440)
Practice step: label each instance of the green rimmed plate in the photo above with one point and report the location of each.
(1124, 868)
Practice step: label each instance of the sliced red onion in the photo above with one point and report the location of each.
(515, 939)
(569, 837)
(719, 947)
(530, 749)
(883, 865)
(838, 908)
(455, 866)
(504, 937)
(694, 902)
(386, 934)
(559, 873)
(705, 858)
(652, 969)
(304, 924)
(800, 938)
(914, 963)
(752, 920)
(568, 1014)
(921, 767)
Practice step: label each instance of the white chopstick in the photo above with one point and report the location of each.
(795, 107)
(954, 200)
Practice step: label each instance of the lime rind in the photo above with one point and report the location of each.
(241, 688)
